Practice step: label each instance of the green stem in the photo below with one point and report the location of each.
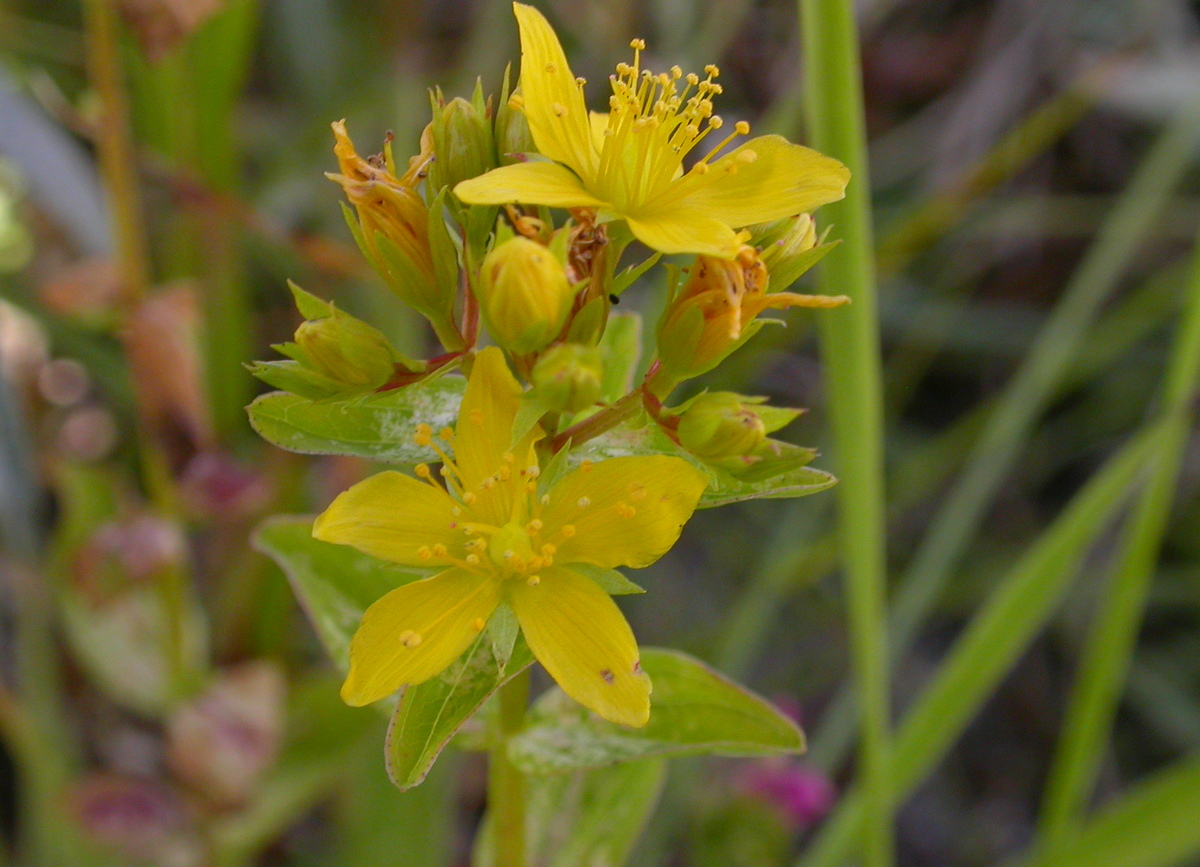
(506, 784)
(603, 421)
(851, 355)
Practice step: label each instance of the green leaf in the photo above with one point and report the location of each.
(621, 349)
(629, 276)
(334, 583)
(694, 710)
(611, 581)
(588, 817)
(428, 715)
(1154, 825)
(378, 427)
(777, 476)
(309, 305)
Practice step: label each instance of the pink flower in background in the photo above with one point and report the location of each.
(804, 795)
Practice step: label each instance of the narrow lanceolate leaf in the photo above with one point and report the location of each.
(777, 476)
(1154, 825)
(334, 583)
(378, 427)
(694, 710)
(589, 817)
(995, 639)
(428, 715)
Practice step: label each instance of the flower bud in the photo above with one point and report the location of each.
(524, 295)
(715, 312)
(569, 377)
(462, 140)
(721, 425)
(786, 239)
(346, 350)
(512, 130)
(391, 225)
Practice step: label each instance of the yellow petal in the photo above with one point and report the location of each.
(599, 123)
(577, 632)
(391, 516)
(676, 230)
(416, 631)
(623, 511)
(767, 178)
(485, 427)
(536, 183)
(553, 101)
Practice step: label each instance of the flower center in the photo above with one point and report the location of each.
(511, 549)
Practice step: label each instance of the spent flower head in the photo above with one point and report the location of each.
(499, 538)
(629, 163)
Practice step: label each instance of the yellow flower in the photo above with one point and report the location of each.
(502, 542)
(629, 163)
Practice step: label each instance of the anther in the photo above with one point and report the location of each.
(409, 638)
(560, 110)
(424, 552)
(477, 624)
(533, 580)
(422, 470)
(551, 68)
(742, 127)
(468, 498)
(712, 70)
(473, 559)
(446, 433)
(637, 44)
(586, 466)
(423, 435)
(533, 526)
(625, 510)
(476, 416)
(439, 550)
(549, 550)
(583, 502)
(568, 530)
(581, 81)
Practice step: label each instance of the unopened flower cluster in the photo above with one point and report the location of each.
(516, 226)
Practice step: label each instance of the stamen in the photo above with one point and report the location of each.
(439, 550)
(422, 471)
(568, 530)
(477, 624)
(409, 638)
(583, 502)
(446, 433)
(625, 510)
(533, 580)
(637, 491)
(423, 435)
(533, 526)
(424, 552)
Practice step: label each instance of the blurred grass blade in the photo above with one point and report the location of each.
(1060, 340)
(1111, 640)
(1155, 825)
(995, 639)
(851, 357)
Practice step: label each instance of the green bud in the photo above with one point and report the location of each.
(721, 425)
(462, 140)
(512, 131)
(524, 295)
(568, 377)
(346, 350)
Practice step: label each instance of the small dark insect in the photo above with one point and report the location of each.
(614, 299)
